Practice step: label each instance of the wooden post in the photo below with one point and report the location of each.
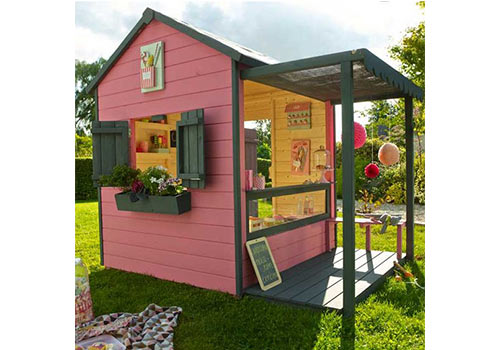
(330, 146)
(347, 99)
(238, 260)
(410, 180)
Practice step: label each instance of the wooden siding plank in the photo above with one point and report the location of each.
(212, 233)
(206, 66)
(209, 82)
(183, 245)
(178, 56)
(218, 149)
(206, 99)
(219, 217)
(218, 132)
(199, 199)
(172, 259)
(199, 279)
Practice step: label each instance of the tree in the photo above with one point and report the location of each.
(410, 52)
(84, 102)
(83, 146)
(263, 129)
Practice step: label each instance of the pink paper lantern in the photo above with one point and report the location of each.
(359, 135)
(388, 154)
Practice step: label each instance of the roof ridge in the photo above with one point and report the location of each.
(232, 49)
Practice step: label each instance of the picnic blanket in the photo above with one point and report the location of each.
(151, 329)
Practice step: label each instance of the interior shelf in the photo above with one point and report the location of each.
(151, 155)
(154, 126)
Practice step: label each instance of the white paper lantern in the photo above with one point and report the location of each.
(388, 154)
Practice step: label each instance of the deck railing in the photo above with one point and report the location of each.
(283, 191)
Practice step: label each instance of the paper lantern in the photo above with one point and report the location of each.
(388, 154)
(372, 171)
(359, 135)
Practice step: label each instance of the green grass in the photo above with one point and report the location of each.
(392, 318)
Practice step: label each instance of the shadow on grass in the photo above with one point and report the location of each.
(210, 319)
(348, 333)
(405, 296)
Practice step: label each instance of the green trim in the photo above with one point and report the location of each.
(101, 240)
(146, 18)
(391, 76)
(286, 190)
(334, 172)
(302, 64)
(274, 230)
(371, 62)
(99, 196)
(191, 149)
(238, 246)
(283, 191)
(410, 180)
(348, 187)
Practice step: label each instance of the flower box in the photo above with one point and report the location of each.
(155, 204)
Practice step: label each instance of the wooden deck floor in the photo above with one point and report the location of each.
(318, 282)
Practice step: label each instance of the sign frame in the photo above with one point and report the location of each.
(255, 267)
(156, 50)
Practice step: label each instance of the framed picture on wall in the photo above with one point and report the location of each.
(173, 138)
(300, 157)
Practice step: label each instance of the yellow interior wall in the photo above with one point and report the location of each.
(264, 102)
(143, 132)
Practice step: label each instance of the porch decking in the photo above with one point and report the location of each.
(318, 282)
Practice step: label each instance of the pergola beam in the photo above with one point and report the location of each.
(348, 228)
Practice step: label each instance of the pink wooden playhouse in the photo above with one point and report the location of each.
(193, 91)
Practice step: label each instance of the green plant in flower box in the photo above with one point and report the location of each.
(122, 176)
(158, 182)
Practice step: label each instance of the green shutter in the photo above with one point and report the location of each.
(110, 146)
(191, 149)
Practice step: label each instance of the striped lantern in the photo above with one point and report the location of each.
(259, 182)
(148, 77)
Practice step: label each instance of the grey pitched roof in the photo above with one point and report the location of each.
(319, 77)
(236, 51)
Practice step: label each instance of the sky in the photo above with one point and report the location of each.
(283, 30)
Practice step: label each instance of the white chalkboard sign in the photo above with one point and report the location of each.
(263, 263)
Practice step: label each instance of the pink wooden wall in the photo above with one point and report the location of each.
(196, 247)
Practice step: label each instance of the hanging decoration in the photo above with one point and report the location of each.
(359, 135)
(321, 158)
(372, 171)
(152, 67)
(300, 157)
(388, 154)
(298, 115)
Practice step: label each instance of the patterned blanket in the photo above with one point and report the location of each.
(151, 329)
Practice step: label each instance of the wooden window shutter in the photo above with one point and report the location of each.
(110, 147)
(191, 149)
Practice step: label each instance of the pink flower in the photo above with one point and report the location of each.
(137, 186)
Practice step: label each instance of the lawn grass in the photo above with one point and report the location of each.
(392, 318)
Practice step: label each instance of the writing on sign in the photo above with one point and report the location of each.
(263, 263)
